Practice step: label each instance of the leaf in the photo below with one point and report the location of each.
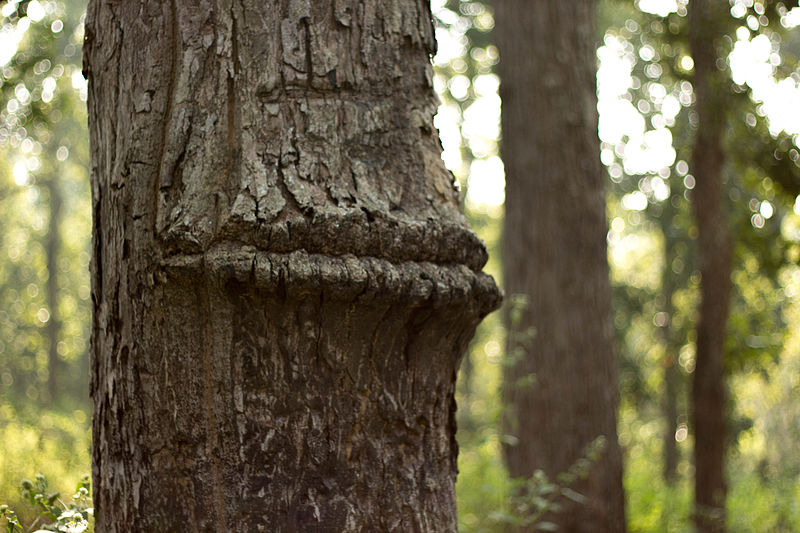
(574, 496)
(502, 517)
(546, 526)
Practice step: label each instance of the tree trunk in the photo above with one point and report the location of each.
(561, 380)
(672, 379)
(715, 255)
(53, 251)
(671, 383)
(283, 283)
(672, 372)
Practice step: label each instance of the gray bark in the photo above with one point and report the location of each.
(283, 283)
(561, 379)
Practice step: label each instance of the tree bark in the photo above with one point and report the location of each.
(715, 250)
(561, 379)
(283, 283)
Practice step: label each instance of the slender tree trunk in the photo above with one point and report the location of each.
(672, 373)
(283, 283)
(561, 380)
(672, 379)
(53, 252)
(715, 255)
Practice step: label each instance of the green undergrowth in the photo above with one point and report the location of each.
(55, 444)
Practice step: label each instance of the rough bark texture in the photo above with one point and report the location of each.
(561, 382)
(283, 283)
(715, 252)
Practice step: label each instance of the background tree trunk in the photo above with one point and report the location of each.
(53, 252)
(283, 283)
(715, 250)
(561, 382)
(672, 344)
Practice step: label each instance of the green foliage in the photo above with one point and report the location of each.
(756, 504)
(483, 486)
(532, 500)
(757, 501)
(43, 329)
(652, 241)
(55, 443)
(44, 252)
(53, 513)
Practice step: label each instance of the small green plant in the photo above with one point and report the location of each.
(537, 496)
(10, 517)
(54, 514)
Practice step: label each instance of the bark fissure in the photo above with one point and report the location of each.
(164, 179)
(234, 110)
(307, 35)
(210, 411)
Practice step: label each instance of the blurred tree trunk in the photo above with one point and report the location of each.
(561, 379)
(715, 251)
(672, 373)
(53, 253)
(283, 284)
(671, 387)
(672, 380)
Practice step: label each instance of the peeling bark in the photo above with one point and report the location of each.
(283, 283)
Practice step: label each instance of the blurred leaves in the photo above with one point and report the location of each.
(43, 163)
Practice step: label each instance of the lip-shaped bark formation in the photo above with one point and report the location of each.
(283, 282)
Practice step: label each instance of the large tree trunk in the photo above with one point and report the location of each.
(561, 381)
(283, 283)
(715, 255)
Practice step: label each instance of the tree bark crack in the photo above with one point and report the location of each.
(213, 440)
(164, 179)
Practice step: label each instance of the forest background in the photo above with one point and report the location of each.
(646, 136)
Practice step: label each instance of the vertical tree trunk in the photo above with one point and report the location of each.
(672, 379)
(672, 373)
(283, 283)
(53, 251)
(715, 254)
(561, 382)
(671, 385)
